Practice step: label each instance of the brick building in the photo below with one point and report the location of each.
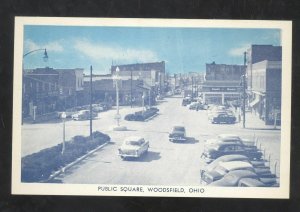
(264, 81)
(266, 90)
(222, 83)
(46, 90)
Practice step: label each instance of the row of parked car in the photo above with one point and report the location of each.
(83, 112)
(232, 161)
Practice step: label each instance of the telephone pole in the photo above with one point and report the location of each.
(91, 107)
(244, 92)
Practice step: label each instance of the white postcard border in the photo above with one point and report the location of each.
(97, 190)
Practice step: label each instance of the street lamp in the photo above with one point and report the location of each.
(159, 74)
(63, 117)
(149, 94)
(143, 98)
(116, 79)
(45, 57)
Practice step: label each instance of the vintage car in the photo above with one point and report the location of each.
(228, 158)
(224, 138)
(224, 167)
(223, 117)
(97, 108)
(177, 134)
(250, 182)
(133, 147)
(83, 115)
(213, 151)
(233, 178)
(193, 105)
(186, 101)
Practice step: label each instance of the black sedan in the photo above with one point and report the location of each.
(217, 150)
(223, 118)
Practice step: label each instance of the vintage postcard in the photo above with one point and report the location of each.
(152, 107)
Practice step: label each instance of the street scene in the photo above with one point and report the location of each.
(149, 111)
(166, 163)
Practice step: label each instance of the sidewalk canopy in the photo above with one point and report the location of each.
(254, 102)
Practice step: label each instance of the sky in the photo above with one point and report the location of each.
(183, 49)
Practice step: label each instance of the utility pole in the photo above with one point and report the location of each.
(131, 88)
(91, 107)
(244, 92)
(192, 87)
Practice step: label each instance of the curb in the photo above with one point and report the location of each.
(62, 170)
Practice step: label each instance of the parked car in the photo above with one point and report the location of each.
(186, 101)
(250, 182)
(224, 167)
(178, 134)
(228, 158)
(231, 138)
(212, 152)
(195, 106)
(97, 108)
(223, 118)
(69, 112)
(233, 178)
(133, 147)
(83, 115)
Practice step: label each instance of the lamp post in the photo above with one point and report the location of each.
(116, 79)
(160, 92)
(63, 116)
(143, 102)
(45, 59)
(149, 98)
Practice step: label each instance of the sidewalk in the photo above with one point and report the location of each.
(254, 122)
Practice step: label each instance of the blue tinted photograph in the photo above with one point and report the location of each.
(134, 105)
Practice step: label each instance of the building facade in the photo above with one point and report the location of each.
(222, 84)
(47, 90)
(266, 90)
(258, 53)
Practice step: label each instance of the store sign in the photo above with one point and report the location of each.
(223, 89)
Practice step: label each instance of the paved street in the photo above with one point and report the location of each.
(166, 163)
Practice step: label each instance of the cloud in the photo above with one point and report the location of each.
(238, 51)
(100, 51)
(273, 37)
(51, 46)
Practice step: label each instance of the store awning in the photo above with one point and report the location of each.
(254, 102)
